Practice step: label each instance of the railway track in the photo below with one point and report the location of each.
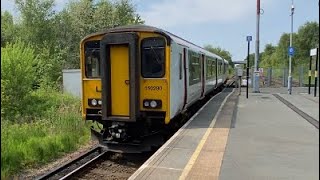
(98, 163)
(75, 166)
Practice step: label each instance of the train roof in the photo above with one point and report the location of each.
(146, 28)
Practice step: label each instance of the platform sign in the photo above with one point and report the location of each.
(249, 38)
(313, 52)
(239, 72)
(261, 71)
(291, 51)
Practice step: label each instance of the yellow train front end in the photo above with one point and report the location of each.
(125, 85)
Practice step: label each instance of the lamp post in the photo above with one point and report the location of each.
(249, 38)
(256, 59)
(290, 55)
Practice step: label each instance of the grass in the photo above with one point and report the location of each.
(57, 130)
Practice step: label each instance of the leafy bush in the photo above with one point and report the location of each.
(17, 77)
(49, 67)
(59, 130)
(21, 74)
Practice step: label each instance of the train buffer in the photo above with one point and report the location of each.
(270, 135)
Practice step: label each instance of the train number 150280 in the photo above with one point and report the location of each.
(153, 88)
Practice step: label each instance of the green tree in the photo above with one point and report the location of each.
(8, 29)
(251, 59)
(125, 14)
(221, 52)
(17, 77)
(307, 38)
(37, 22)
(84, 17)
(281, 58)
(269, 50)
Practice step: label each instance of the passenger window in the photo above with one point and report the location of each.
(153, 57)
(92, 59)
(194, 68)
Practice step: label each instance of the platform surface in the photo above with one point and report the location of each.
(271, 141)
(237, 138)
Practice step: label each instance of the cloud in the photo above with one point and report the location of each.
(167, 13)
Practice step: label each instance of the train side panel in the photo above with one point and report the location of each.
(194, 84)
(176, 80)
(210, 74)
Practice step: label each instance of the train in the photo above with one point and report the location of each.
(137, 79)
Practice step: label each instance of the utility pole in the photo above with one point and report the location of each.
(290, 55)
(256, 61)
(249, 38)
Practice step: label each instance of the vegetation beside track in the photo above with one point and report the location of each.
(38, 122)
(34, 142)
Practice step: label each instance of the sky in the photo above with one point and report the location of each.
(221, 23)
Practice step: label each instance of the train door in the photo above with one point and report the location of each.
(120, 77)
(119, 61)
(203, 83)
(185, 78)
(217, 68)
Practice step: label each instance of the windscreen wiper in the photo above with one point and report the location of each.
(156, 55)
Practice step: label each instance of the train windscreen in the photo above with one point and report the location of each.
(92, 59)
(153, 57)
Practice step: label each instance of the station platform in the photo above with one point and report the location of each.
(232, 137)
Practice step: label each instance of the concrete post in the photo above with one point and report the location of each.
(252, 76)
(301, 76)
(285, 77)
(269, 77)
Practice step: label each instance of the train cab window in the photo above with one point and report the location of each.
(153, 57)
(92, 59)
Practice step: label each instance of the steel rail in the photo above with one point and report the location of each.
(79, 169)
(68, 164)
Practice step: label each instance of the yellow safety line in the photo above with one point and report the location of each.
(196, 153)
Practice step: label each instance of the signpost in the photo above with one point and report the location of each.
(291, 51)
(314, 52)
(249, 38)
(239, 74)
(316, 74)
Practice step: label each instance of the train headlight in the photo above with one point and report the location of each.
(146, 104)
(153, 104)
(94, 102)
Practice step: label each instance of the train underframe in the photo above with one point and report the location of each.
(146, 134)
